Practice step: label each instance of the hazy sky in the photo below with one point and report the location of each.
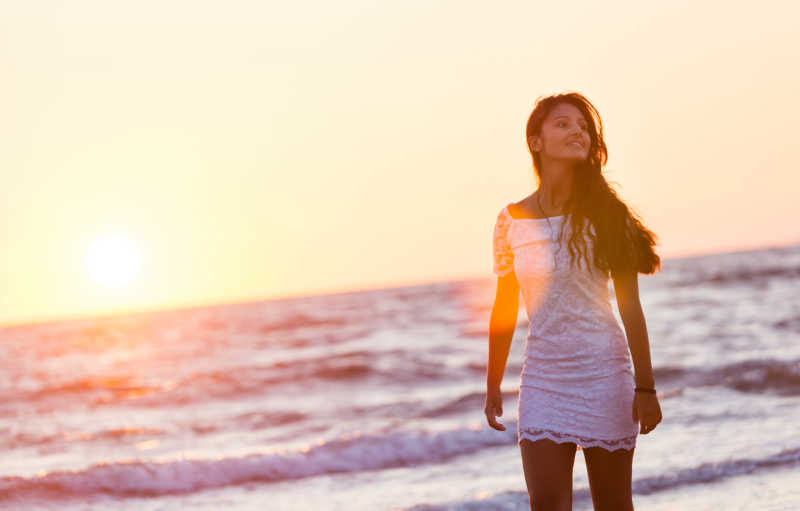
(246, 150)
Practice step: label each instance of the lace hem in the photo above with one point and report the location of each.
(558, 437)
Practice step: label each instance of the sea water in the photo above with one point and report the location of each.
(374, 400)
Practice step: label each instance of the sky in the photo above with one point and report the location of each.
(169, 154)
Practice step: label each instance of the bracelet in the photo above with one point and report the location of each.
(645, 389)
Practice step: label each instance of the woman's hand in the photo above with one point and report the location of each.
(494, 407)
(646, 411)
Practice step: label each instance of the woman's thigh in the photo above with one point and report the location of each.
(610, 475)
(548, 473)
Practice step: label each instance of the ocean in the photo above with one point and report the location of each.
(373, 400)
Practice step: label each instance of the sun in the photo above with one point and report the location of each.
(113, 261)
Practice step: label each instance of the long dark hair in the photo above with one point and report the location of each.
(621, 241)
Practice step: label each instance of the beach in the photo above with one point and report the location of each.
(373, 400)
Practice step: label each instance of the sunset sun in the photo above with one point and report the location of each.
(113, 260)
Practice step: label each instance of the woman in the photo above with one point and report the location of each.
(559, 246)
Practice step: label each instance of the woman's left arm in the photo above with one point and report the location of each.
(646, 409)
(626, 287)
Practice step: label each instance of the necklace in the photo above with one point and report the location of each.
(550, 227)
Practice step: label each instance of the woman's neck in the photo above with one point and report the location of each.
(556, 185)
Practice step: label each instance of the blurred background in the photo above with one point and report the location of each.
(264, 149)
(245, 249)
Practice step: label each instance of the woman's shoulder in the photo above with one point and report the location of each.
(504, 217)
(522, 208)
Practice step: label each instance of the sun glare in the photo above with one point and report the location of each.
(113, 260)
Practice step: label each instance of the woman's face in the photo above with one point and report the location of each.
(564, 135)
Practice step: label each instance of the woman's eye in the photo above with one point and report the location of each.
(562, 123)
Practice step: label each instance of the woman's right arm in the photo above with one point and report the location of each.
(503, 319)
(502, 323)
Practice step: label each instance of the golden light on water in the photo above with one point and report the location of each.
(148, 444)
(113, 261)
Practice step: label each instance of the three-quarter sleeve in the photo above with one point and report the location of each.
(503, 256)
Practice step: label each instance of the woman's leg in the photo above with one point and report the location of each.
(609, 478)
(548, 473)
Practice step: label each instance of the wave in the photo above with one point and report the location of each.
(752, 376)
(701, 474)
(350, 453)
(348, 367)
(725, 276)
(779, 377)
(357, 453)
(27, 439)
(353, 452)
(753, 274)
(220, 383)
(468, 402)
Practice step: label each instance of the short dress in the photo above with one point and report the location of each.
(577, 381)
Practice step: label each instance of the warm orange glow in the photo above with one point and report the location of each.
(299, 153)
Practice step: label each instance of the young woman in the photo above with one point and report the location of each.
(559, 246)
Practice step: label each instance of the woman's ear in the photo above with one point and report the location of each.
(534, 144)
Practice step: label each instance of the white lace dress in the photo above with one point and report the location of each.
(577, 382)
